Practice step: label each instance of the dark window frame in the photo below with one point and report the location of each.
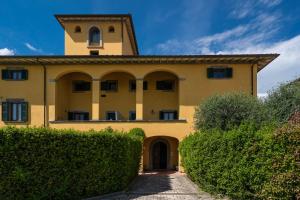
(107, 85)
(21, 113)
(8, 74)
(131, 114)
(132, 85)
(115, 113)
(161, 85)
(219, 72)
(94, 36)
(72, 116)
(162, 112)
(74, 90)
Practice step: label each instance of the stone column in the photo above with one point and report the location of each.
(139, 99)
(181, 98)
(95, 99)
(51, 100)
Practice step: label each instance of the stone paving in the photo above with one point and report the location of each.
(161, 186)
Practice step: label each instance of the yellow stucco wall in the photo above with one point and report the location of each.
(112, 44)
(191, 88)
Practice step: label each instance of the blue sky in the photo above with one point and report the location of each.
(169, 27)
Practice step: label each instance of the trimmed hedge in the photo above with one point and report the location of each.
(226, 111)
(39, 163)
(245, 163)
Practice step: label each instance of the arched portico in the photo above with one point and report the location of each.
(117, 96)
(73, 96)
(161, 96)
(160, 153)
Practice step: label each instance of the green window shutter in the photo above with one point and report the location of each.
(5, 74)
(210, 72)
(228, 72)
(5, 111)
(25, 74)
(24, 111)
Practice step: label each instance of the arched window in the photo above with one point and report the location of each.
(111, 29)
(94, 36)
(77, 29)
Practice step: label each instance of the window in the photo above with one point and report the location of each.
(9, 74)
(165, 85)
(15, 111)
(132, 85)
(219, 72)
(94, 53)
(77, 29)
(145, 85)
(111, 115)
(81, 86)
(111, 29)
(109, 85)
(132, 115)
(168, 115)
(79, 116)
(94, 36)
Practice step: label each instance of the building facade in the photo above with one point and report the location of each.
(102, 81)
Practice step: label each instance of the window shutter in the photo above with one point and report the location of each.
(5, 111)
(104, 85)
(24, 74)
(228, 72)
(145, 85)
(175, 115)
(86, 116)
(210, 72)
(70, 116)
(5, 74)
(161, 115)
(24, 112)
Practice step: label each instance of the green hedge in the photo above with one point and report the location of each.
(38, 163)
(284, 102)
(245, 163)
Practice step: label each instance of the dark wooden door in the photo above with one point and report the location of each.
(159, 156)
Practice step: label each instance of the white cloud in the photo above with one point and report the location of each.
(6, 52)
(32, 48)
(246, 39)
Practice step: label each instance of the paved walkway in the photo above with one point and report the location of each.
(162, 186)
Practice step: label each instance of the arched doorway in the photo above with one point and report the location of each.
(159, 155)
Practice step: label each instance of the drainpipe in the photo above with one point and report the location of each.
(252, 81)
(44, 91)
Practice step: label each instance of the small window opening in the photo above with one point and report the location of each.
(77, 29)
(94, 53)
(111, 29)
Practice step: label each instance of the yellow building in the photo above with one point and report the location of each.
(102, 81)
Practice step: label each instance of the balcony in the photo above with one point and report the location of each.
(116, 97)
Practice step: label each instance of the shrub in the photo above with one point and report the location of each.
(229, 110)
(284, 101)
(137, 132)
(245, 163)
(39, 163)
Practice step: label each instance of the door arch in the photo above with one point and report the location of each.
(160, 154)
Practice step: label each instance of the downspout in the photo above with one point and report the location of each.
(252, 81)
(44, 91)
